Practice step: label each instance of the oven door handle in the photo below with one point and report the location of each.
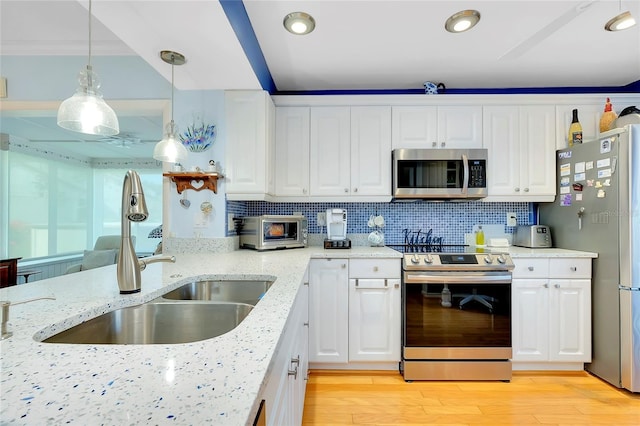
(455, 278)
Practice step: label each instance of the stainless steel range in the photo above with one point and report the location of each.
(456, 316)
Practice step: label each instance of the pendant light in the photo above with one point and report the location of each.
(620, 22)
(86, 111)
(170, 148)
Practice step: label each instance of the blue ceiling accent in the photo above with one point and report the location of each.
(239, 20)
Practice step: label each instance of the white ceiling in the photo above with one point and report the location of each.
(358, 45)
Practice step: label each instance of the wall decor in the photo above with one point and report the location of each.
(198, 138)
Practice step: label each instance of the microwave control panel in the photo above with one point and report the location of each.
(477, 174)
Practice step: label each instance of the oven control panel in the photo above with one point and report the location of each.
(457, 261)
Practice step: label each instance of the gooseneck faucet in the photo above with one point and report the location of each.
(134, 209)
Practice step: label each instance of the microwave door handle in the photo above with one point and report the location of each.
(465, 177)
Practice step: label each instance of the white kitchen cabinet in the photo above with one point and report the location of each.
(330, 148)
(521, 145)
(370, 151)
(551, 312)
(374, 310)
(354, 312)
(292, 151)
(436, 127)
(249, 158)
(286, 386)
(329, 310)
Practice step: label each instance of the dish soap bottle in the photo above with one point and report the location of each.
(575, 130)
(607, 117)
(480, 237)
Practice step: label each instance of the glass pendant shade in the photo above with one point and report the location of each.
(86, 111)
(170, 148)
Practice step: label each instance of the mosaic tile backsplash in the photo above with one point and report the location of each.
(447, 220)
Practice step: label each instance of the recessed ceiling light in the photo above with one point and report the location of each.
(462, 21)
(299, 23)
(620, 22)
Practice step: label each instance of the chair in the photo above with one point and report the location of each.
(105, 252)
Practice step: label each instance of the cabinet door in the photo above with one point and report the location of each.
(460, 127)
(292, 151)
(589, 117)
(370, 150)
(249, 141)
(529, 319)
(570, 320)
(537, 151)
(501, 138)
(414, 126)
(328, 310)
(374, 320)
(330, 172)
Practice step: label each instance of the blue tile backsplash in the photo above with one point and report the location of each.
(449, 220)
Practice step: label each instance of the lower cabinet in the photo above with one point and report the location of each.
(354, 310)
(285, 391)
(551, 312)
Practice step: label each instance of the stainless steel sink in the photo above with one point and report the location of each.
(157, 323)
(236, 291)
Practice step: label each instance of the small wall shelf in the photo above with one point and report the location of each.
(185, 180)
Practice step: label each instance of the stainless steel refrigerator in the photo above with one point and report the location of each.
(597, 209)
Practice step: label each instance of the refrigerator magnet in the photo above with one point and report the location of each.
(565, 200)
(577, 187)
(578, 197)
(601, 193)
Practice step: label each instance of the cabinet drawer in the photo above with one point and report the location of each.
(570, 268)
(374, 268)
(530, 268)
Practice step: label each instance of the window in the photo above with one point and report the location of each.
(58, 207)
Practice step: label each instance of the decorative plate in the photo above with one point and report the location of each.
(198, 139)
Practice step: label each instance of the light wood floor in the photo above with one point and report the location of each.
(384, 398)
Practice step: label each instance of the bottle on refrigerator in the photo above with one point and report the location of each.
(608, 117)
(575, 130)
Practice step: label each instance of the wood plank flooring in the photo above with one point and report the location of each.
(548, 398)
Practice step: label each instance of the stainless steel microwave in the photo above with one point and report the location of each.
(272, 232)
(439, 174)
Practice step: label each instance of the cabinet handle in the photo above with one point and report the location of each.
(517, 189)
(557, 285)
(385, 283)
(443, 144)
(306, 283)
(526, 190)
(344, 265)
(396, 285)
(530, 268)
(434, 144)
(346, 190)
(294, 373)
(546, 285)
(304, 190)
(295, 361)
(375, 269)
(574, 269)
(355, 189)
(305, 324)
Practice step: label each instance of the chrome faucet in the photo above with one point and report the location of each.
(134, 209)
(5, 314)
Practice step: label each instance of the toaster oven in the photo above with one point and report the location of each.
(272, 232)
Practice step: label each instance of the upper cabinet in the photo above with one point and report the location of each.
(292, 151)
(521, 145)
(437, 127)
(250, 117)
(328, 152)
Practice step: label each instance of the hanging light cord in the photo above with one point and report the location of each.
(173, 62)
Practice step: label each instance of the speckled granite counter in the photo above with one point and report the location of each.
(517, 252)
(215, 381)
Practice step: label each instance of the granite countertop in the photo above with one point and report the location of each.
(216, 381)
(517, 252)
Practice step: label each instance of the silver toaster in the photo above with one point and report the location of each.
(533, 236)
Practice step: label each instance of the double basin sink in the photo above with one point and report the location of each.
(196, 311)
